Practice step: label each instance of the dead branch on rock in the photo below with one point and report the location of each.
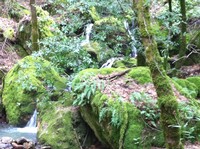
(113, 76)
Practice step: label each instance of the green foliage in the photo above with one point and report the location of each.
(190, 117)
(86, 89)
(148, 108)
(66, 54)
(113, 112)
(31, 81)
(76, 14)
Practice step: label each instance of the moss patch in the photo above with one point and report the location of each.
(186, 87)
(125, 63)
(196, 81)
(9, 33)
(141, 74)
(31, 80)
(56, 127)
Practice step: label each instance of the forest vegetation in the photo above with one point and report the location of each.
(102, 74)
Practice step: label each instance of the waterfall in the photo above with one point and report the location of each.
(110, 62)
(134, 50)
(33, 121)
(87, 34)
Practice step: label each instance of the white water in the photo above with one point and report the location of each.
(110, 62)
(33, 121)
(29, 132)
(134, 50)
(87, 34)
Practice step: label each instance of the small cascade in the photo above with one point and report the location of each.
(87, 34)
(28, 132)
(33, 121)
(134, 50)
(110, 62)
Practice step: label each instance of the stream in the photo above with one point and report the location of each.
(29, 131)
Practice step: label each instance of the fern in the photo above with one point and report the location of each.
(84, 90)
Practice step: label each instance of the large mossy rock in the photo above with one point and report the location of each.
(123, 115)
(17, 11)
(116, 124)
(30, 81)
(45, 23)
(56, 126)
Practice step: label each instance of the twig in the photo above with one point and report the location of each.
(77, 139)
(193, 51)
(85, 138)
(113, 76)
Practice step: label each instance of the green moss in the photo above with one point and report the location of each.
(196, 81)
(9, 33)
(125, 63)
(141, 74)
(129, 134)
(18, 11)
(92, 72)
(45, 23)
(109, 118)
(56, 127)
(94, 14)
(93, 48)
(31, 80)
(186, 87)
(133, 135)
(45, 28)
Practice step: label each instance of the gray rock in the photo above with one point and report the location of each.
(5, 146)
(6, 140)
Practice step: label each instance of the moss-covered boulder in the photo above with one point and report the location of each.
(30, 81)
(56, 126)
(196, 81)
(186, 87)
(120, 107)
(17, 11)
(45, 23)
(116, 123)
(61, 125)
(99, 53)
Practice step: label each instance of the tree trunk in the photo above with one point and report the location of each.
(34, 31)
(166, 98)
(183, 44)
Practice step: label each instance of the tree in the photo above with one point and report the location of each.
(166, 99)
(183, 44)
(34, 31)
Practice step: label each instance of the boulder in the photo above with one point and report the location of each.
(30, 81)
(120, 107)
(45, 23)
(63, 125)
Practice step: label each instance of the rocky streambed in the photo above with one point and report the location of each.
(21, 143)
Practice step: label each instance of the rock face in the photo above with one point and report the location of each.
(30, 81)
(120, 107)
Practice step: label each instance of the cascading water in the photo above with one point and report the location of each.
(110, 62)
(29, 132)
(134, 50)
(87, 34)
(33, 121)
